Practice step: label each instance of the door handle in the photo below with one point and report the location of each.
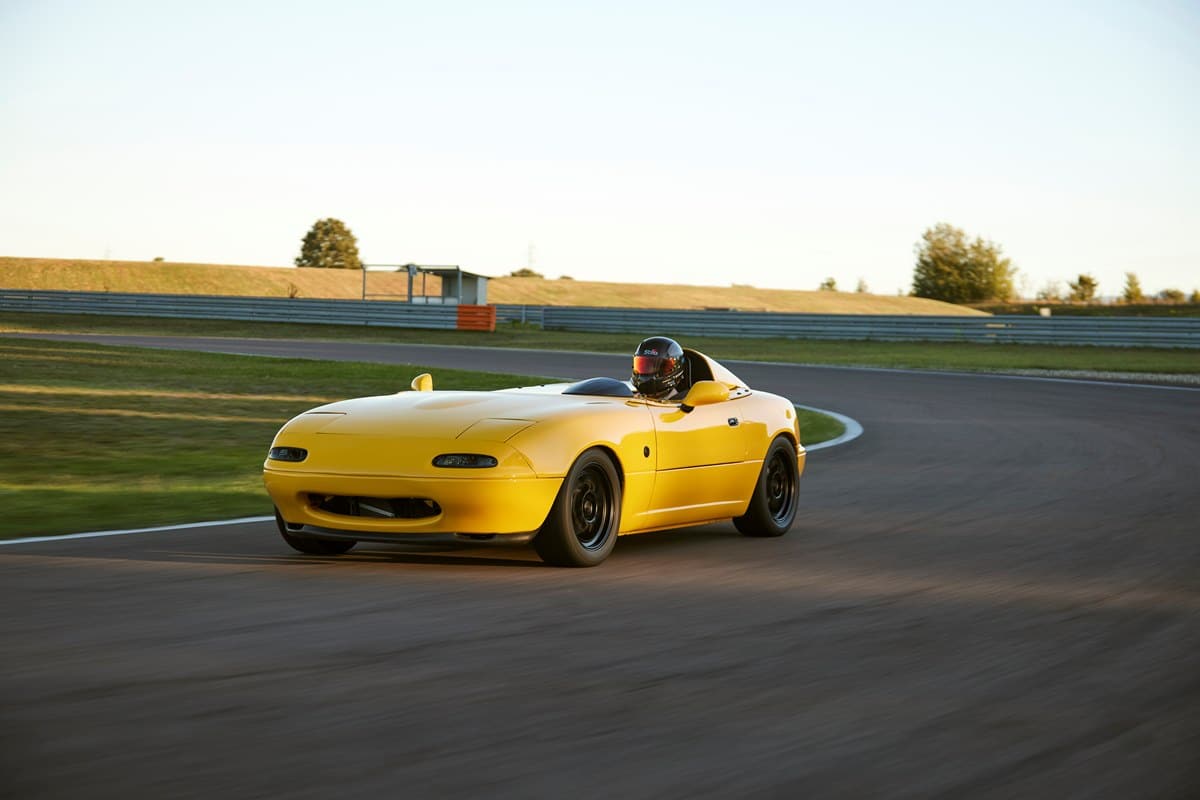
(733, 422)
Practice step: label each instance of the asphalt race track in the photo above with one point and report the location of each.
(994, 592)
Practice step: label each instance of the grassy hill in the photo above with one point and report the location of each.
(181, 278)
(1097, 309)
(535, 291)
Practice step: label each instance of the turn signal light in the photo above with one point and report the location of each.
(287, 454)
(465, 461)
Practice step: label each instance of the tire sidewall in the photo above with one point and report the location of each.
(561, 525)
(758, 520)
(784, 445)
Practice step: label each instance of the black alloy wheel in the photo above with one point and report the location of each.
(773, 505)
(582, 525)
(592, 507)
(781, 488)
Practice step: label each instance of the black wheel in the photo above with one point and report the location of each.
(581, 528)
(773, 505)
(310, 545)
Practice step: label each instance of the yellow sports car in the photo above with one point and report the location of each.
(568, 466)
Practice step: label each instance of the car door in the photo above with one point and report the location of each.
(701, 457)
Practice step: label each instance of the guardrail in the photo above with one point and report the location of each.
(257, 309)
(1101, 331)
(525, 315)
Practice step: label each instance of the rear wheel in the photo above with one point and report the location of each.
(773, 505)
(582, 525)
(311, 545)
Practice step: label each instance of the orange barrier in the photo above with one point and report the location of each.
(477, 318)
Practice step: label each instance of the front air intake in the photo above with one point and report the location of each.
(376, 507)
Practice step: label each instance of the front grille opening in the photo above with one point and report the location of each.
(376, 507)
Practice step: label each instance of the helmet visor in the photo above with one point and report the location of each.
(651, 365)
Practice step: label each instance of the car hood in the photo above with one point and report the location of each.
(485, 416)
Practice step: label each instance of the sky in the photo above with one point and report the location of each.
(764, 143)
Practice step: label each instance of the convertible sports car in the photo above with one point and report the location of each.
(568, 466)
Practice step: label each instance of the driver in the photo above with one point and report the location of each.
(659, 367)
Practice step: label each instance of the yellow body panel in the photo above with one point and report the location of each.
(467, 505)
(676, 468)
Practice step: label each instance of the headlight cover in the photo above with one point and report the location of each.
(293, 454)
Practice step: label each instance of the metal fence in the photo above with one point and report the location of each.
(1103, 331)
(258, 309)
(524, 315)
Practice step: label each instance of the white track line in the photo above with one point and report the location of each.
(98, 534)
(853, 429)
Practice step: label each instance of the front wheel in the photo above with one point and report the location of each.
(310, 545)
(582, 525)
(773, 505)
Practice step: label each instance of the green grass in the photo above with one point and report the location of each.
(95, 437)
(913, 355)
(816, 428)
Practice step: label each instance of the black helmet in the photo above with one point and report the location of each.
(658, 366)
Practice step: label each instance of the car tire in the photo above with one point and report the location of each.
(582, 525)
(773, 505)
(311, 545)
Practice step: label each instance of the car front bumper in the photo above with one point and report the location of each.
(465, 505)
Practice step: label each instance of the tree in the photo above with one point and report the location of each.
(1195, 298)
(329, 244)
(828, 285)
(951, 268)
(525, 272)
(1171, 295)
(1050, 292)
(862, 286)
(1083, 288)
(1133, 289)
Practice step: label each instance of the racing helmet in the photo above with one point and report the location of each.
(658, 366)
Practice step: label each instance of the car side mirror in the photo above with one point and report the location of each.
(422, 383)
(704, 393)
